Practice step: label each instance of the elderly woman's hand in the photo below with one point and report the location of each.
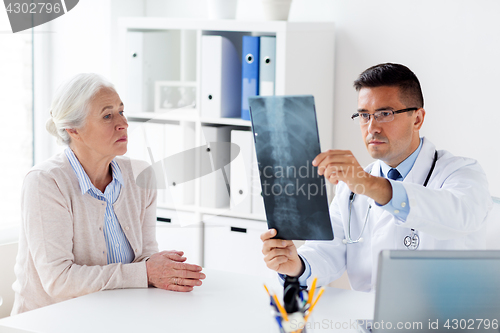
(167, 270)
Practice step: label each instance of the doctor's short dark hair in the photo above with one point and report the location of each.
(394, 75)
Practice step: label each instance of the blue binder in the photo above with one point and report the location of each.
(267, 65)
(250, 72)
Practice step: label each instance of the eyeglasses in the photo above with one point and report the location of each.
(381, 116)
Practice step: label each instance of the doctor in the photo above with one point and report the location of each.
(413, 197)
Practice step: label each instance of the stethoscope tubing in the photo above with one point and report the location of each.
(414, 239)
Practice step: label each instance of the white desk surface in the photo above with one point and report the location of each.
(226, 302)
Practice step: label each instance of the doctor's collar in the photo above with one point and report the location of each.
(404, 167)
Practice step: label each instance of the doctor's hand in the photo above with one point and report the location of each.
(167, 270)
(341, 165)
(281, 255)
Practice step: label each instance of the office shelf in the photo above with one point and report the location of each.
(186, 115)
(191, 115)
(183, 208)
(227, 212)
(169, 50)
(227, 121)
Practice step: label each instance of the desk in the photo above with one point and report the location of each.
(226, 302)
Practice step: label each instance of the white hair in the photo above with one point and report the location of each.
(70, 105)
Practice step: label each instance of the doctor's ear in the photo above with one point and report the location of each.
(419, 119)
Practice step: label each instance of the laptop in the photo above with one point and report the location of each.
(437, 291)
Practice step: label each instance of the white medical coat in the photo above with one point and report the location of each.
(448, 214)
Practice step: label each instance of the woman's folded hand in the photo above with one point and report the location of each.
(168, 270)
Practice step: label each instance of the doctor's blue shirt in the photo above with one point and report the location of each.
(399, 205)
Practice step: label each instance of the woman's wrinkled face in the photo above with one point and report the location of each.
(104, 133)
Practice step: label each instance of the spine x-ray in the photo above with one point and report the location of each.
(286, 142)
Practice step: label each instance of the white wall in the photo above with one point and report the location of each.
(16, 125)
(453, 46)
(83, 40)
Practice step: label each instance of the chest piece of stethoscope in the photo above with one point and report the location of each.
(412, 241)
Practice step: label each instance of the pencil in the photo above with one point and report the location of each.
(267, 290)
(321, 291)
(282, 310)
(311, 292)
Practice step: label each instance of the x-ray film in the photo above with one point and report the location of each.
(287, 141)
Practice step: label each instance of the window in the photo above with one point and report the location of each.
(16, 129)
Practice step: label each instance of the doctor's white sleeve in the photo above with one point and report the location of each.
(327, 259)
(455, 203)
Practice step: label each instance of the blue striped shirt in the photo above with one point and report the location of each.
(118, 247)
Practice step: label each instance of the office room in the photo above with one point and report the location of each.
(135, 179)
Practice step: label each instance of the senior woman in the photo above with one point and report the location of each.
(86, 224)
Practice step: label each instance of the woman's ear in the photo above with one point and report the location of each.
(73, 133)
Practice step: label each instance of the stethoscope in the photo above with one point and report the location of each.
(411, 241)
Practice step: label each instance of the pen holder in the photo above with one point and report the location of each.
(298, 305)
(295, 323)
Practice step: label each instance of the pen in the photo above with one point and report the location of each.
(271, 299)
(274, 304)
(280, 307)
(302, 300)
(278, 319)
(311, 292)
(321, 291)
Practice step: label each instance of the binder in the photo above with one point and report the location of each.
(154, 140)
(179, 163)
(149, 59)
(220, 78)
(136, 142)
(216, 156)
(267, 65)
(241, 172)
(250, 72)
(258, 207)
(136, 147)
(146, 142)
(135, 99)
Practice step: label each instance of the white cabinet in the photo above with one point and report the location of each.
(180, 231)
(234, 245)
(160, 49)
